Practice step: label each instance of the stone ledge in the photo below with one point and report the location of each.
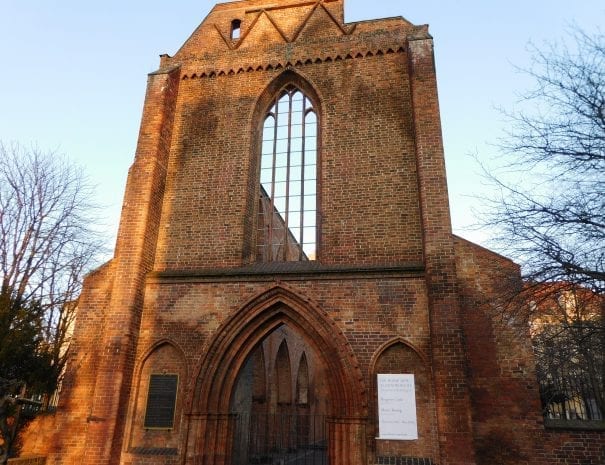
(288, 271)
(574, 425)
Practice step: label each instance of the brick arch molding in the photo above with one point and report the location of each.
(248, 326)
(392, 342)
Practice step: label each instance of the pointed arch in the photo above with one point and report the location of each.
(243, 331)
(283, 374)
(154, 347)
(391, 342)
(284, 199)
(400, 356)
(259, 379)
(163, 362)
(302, 381)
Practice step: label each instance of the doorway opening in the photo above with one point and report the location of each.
(280, 402)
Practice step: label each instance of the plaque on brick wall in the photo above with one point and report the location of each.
(397, 407)
(161, 401)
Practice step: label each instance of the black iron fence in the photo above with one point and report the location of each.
(280, 439)
(572, 398)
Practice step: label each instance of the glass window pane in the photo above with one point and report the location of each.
(297, 114)
(294, 203)
(297, 96)
(282, 118)
(265, 175)
(283, 102)
(296, 144)
(280, 189)
(296, 130)
(310, 218)
(310, 251)
(282, 132)
(310, 142)
(295, 232)
(310, 187)
(294, 218)
(310, 156)
(280, 174)
(297, 105)
(309, 235)
(309, 202)
(295, 158)
(295, 188)
(311, 118)
(281, 146)
(267, 147)
(266, 161)
(310, 172)
(281, 160)
(295, 173)
(280, 204)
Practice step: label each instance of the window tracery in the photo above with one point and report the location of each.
(287, 223)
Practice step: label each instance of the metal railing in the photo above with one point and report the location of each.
(572, 398)
(280, 439)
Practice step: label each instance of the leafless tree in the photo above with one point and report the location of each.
(550, 212)
(47, 243)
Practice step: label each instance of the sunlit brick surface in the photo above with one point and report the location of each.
(390, 290)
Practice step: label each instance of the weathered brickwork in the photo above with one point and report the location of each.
(508, 426)
(391, 291)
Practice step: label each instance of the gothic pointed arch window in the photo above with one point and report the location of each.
(287, 205)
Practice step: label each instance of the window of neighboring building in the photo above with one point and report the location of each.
(161, 401)
(287, 223)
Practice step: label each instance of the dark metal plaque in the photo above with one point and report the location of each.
(161, 401)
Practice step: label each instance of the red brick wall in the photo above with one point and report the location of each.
(507, 422)
(184, 271)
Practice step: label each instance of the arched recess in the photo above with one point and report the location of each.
(399, 356)
(302, 382)
(209, 435)
(283, 375)
(287, 79)
(164, 360)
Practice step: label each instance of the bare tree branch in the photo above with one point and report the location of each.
(47, 244)
(550, 214)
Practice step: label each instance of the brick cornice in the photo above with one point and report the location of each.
(292, 63)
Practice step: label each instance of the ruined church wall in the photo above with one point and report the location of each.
(505, 398)
(358, 78)
(369, 312)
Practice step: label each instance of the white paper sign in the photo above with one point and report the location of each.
(397, 407)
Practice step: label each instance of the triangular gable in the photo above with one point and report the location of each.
(262, 31)
(290, 19)
(320, 23)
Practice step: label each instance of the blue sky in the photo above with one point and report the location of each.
(74, 76)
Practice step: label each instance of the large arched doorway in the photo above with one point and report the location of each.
(280, 403)
(278, 351)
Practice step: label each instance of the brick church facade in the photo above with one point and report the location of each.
(285, 237)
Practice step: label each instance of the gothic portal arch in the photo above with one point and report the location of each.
(212, 423)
